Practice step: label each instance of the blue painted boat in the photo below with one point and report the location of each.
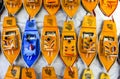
(1, 6)
(30, 43)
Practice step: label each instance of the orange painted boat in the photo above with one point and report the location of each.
(87, 40)
(108, 6)
(88, 74)
(28, 73)
(68, 51)
(32, 7)
(89, 5)
(50, 39)
(70, 6)
(52, 6)
(48, 73)
(13, 72)
(108, 44)
(70, 74)
(13, 5)
(11, 39)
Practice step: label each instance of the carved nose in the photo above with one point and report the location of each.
(31, 47)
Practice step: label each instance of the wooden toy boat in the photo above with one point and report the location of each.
(13, 5)
(108, 6)
(32, 7)
(52, 6)
(108, 44)
(1, 6)
(28, 73)
(68, 51)
(70, 6)
(87, 40)
(30, 43)
(11, 39)
(104, 76)
(89, 5)
(70, 74)
(50, 39)
(88, 74)
(48, 73)
(13, 72)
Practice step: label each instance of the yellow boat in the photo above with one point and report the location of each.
(70, 73)
(68, 51)
(52, 6)
(13, 5)
(32, 7)
(87, 40)
(48, 73)
(104, 76)
(89, 5)
(88, 74)
(50, 39)
(70, 6)
(11, 39)
(13, 72)
(108, 6)
(28, 73)
(108, 44)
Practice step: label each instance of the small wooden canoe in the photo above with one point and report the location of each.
(30, 43)
(50, 39)
(70, 6)
(108, 44)
(48, 73)
(13, 5)
(13, 72)
(87, 74)
(28, 73)
(1, 6)
(104, 76)
(11, 39)
(87, 40)
(108, 6)
(32, 7)
(70, 73)
(52, 6)
(68, 50)
(89, 5)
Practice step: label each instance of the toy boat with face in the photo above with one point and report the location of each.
(30, 43)
(89, 5)
(108, 6)
(52, 6)
(88, 74)
(50, 39)
(108, 44)
(13, 5)
(68, 51)
(11, 39)
(32, 7)
(104, 76)
(87, 40)
(70, 6)
(1, 6)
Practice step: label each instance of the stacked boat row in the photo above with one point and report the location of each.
(51, 43)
